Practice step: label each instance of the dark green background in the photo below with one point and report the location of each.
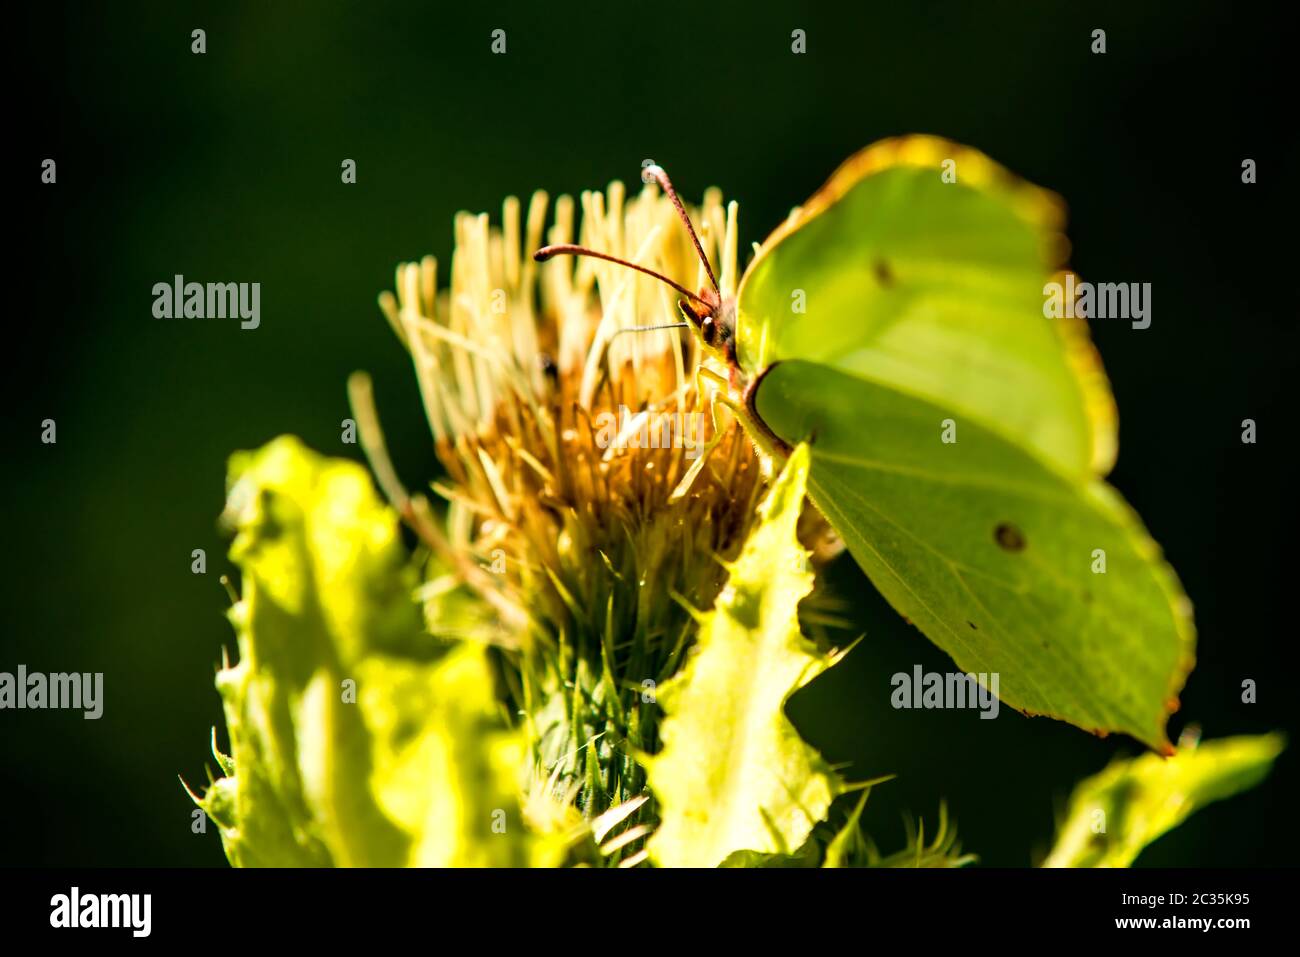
(226, 167)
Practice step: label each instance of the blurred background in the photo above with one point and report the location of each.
(226, 167)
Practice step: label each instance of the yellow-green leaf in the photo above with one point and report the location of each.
(446, 768)
(355, 740)
(734, 774)
(1115, 814)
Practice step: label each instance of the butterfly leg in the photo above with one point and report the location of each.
(750, 399)
(746, 410)
(718, 396)
(719, 433)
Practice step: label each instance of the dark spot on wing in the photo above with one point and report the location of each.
(972, 626)
(1009, 537)
(884, 275)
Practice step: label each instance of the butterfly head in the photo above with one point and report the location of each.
(711, 316)
(714, 320)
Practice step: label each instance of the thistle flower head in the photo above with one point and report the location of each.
(569, 446)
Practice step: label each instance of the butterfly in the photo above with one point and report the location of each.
(958, 436)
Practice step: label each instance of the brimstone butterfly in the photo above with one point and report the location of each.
(958, 436)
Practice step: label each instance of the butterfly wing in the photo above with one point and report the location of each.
(894, 275)
(924, 322)
(1010, 567)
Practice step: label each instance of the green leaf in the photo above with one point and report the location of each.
(851, 847)
(356, 740)
(446, 768)
(1115, 814)
(992, 554)
(733, 774)
(848, 842)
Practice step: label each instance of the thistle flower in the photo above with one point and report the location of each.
(569, 441)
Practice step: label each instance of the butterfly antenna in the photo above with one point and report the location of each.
(667, 186)
(568, 249)
(671, 325)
